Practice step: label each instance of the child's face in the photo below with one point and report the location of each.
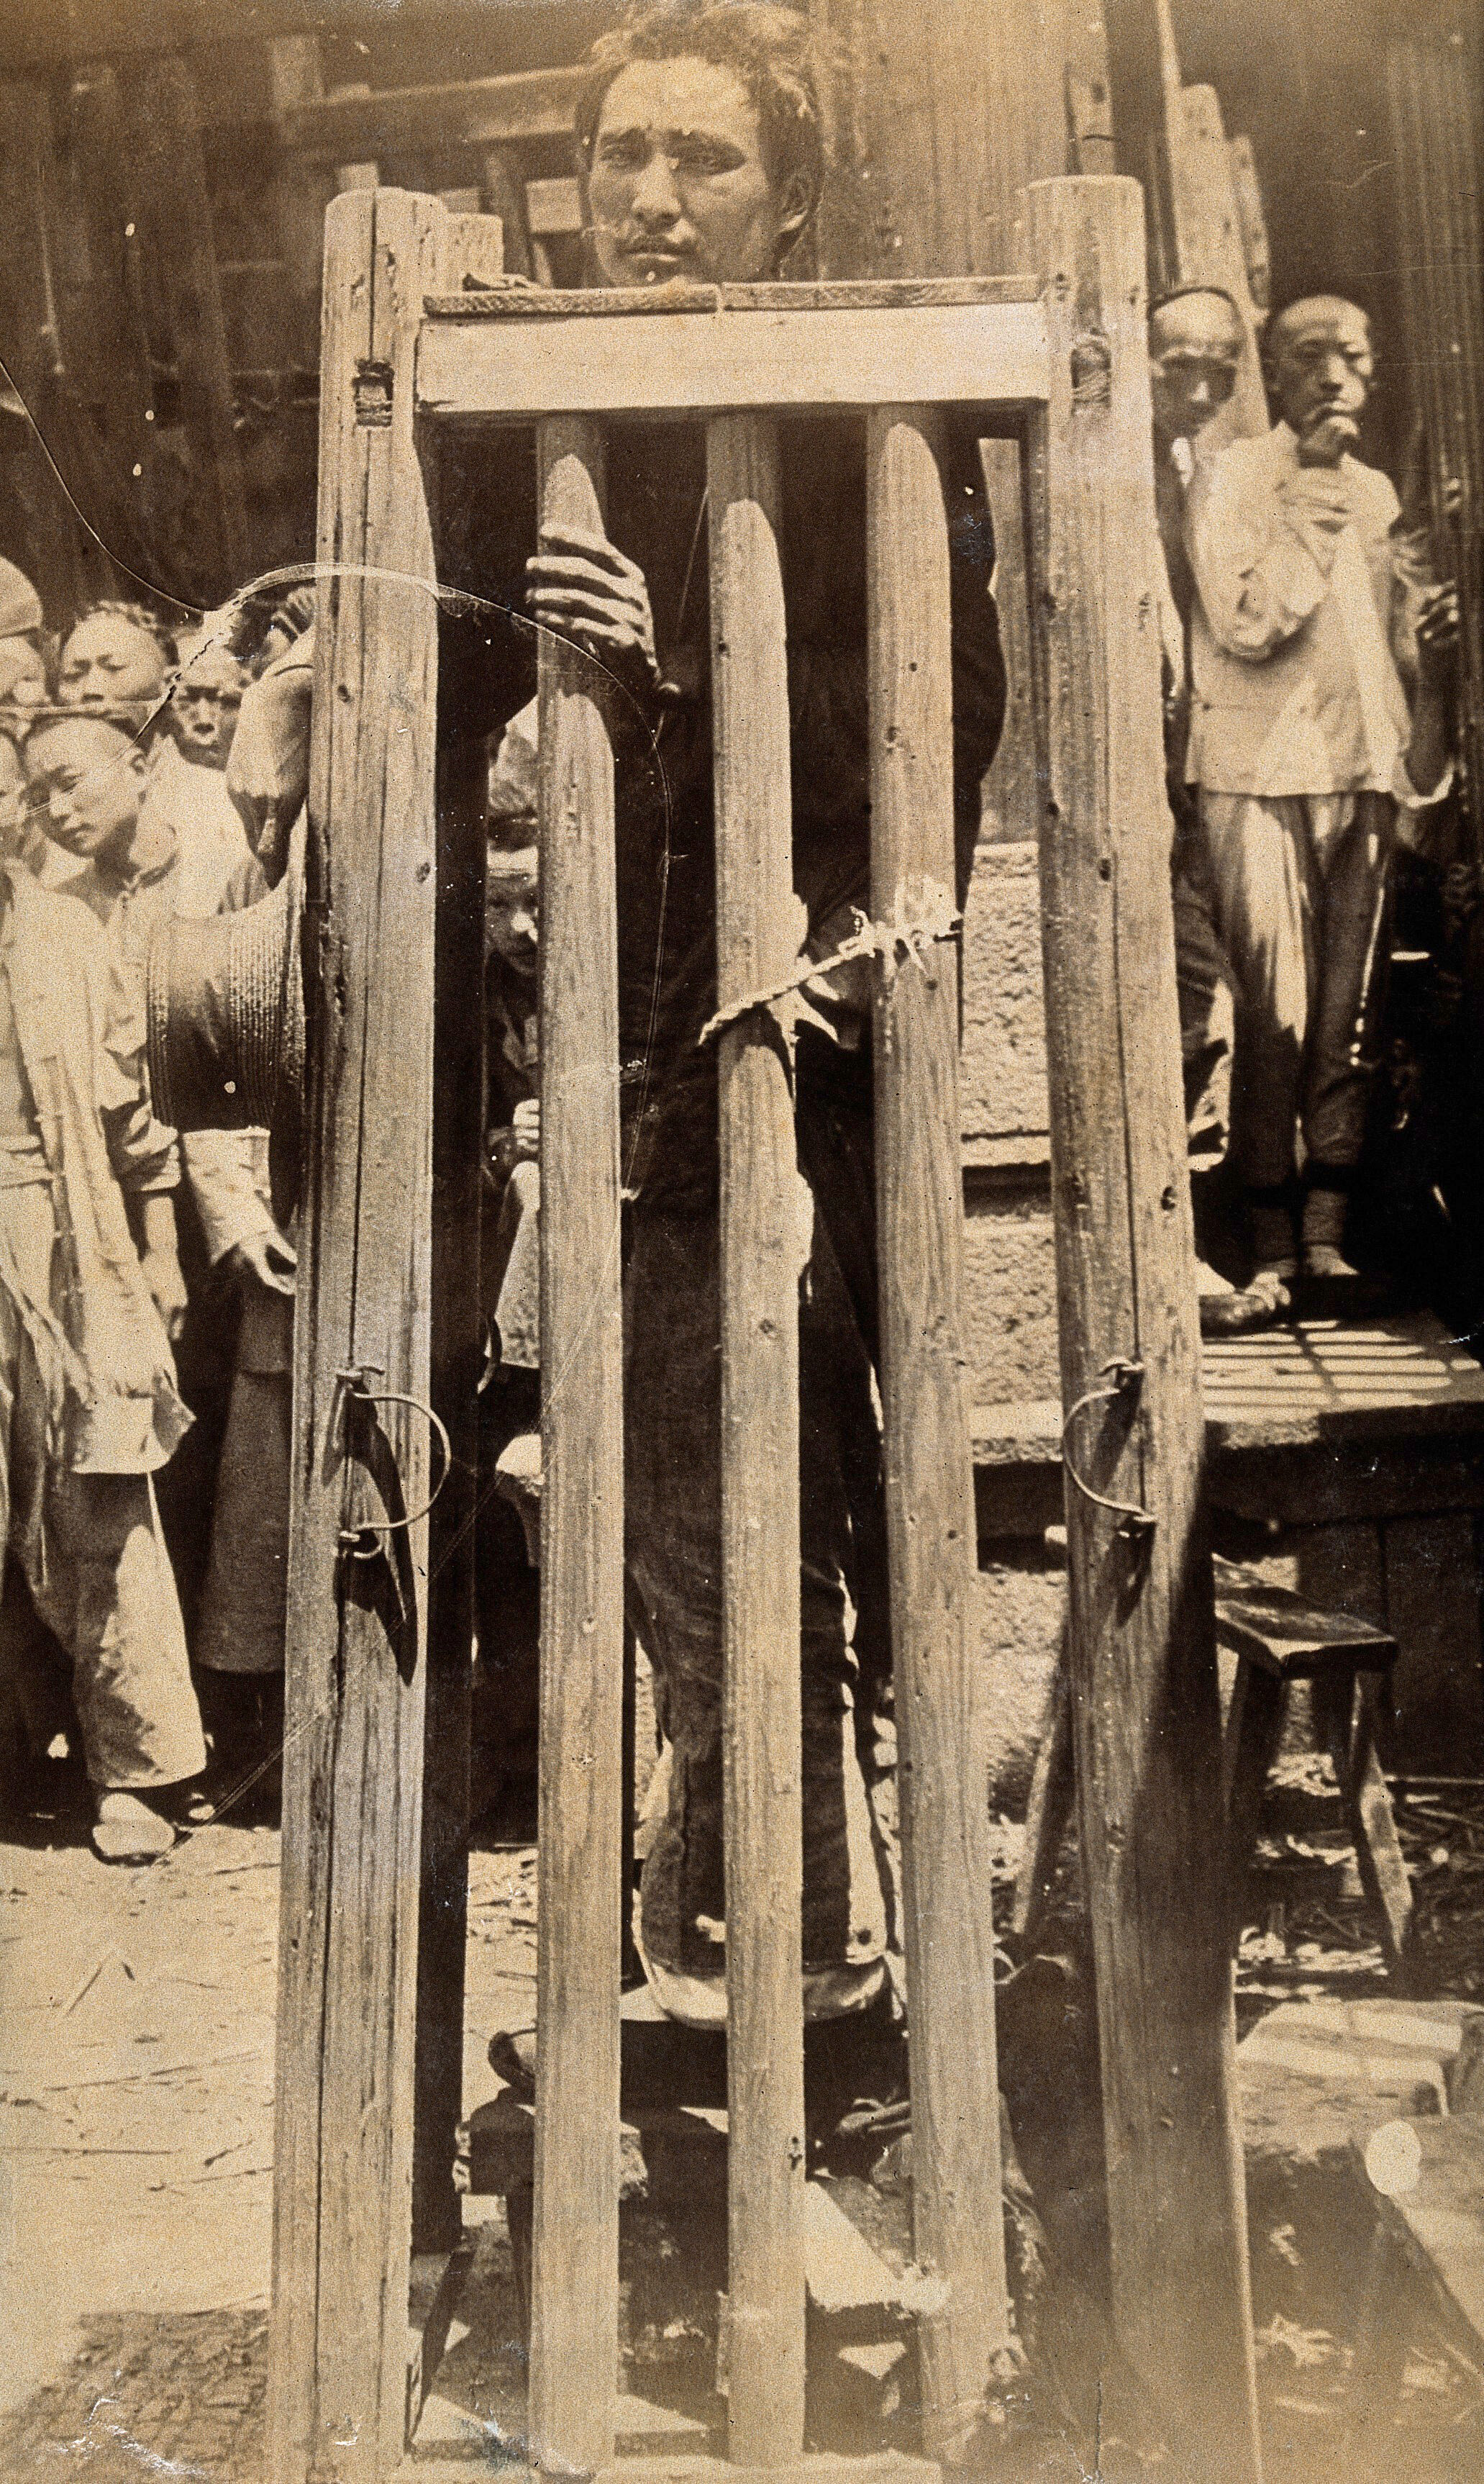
(108, 661)
(510, 922)
(205, 704)
(84, 781)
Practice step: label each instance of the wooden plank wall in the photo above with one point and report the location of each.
(942, 114)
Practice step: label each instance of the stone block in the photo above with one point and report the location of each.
(1010, 1297)
(1021, 1598)
(1003, 1066)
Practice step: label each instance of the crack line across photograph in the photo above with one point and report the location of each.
(742, 1320)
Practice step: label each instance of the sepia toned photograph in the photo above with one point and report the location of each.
(742, 1241)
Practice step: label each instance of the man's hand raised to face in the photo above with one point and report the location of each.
(1328, 440)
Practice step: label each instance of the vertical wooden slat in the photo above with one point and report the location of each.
(1209, 241)
(1011, 797)
(930, 1483)
(1434, 97)
(455, 1357)
(472, 245)
(357, 1631)
(575, 2282)
(761, 1254)
(1142, 1630)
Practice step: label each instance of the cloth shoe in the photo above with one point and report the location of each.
(126, 1830)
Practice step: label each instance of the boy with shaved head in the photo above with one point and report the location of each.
(89, 1408)
(1302, 747)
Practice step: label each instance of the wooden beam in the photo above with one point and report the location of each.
(1210, 244)
(1253, 220)
(504, 196)
(833, 293)
(761, 1255)
(398, 120)
(357, 1627)
(1141, 1632)
(573, 2356)
(1435, 91)
(930, 1482)
(1088, 98)
(512, 370)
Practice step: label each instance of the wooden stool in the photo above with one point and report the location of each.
(1277, 1638)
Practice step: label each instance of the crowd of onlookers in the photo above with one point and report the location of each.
(1310, 636)
(145, 1288)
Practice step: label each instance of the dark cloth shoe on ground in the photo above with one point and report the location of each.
(1261, 1303)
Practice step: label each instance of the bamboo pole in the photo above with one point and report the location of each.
(761, 1254)
(929, 1480)
(1142, 1626)
(573, 2356)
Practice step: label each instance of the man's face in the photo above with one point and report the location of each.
(204, 705)
(1320, 365)
(84, 781)
(677, 185)
(108, 661)
(1194, 347)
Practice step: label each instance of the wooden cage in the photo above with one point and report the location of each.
(387, 1309)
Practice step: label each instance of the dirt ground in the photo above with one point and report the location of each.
(136, 2135)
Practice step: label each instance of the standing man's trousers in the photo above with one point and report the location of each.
(1299, 887)
(673, 1512)
(90, 1547)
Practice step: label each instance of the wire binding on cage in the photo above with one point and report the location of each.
(893, 943)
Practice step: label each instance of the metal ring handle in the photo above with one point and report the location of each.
(1122, 1377)
(350, 1536)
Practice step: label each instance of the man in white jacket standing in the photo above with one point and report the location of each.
(1302, 747)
